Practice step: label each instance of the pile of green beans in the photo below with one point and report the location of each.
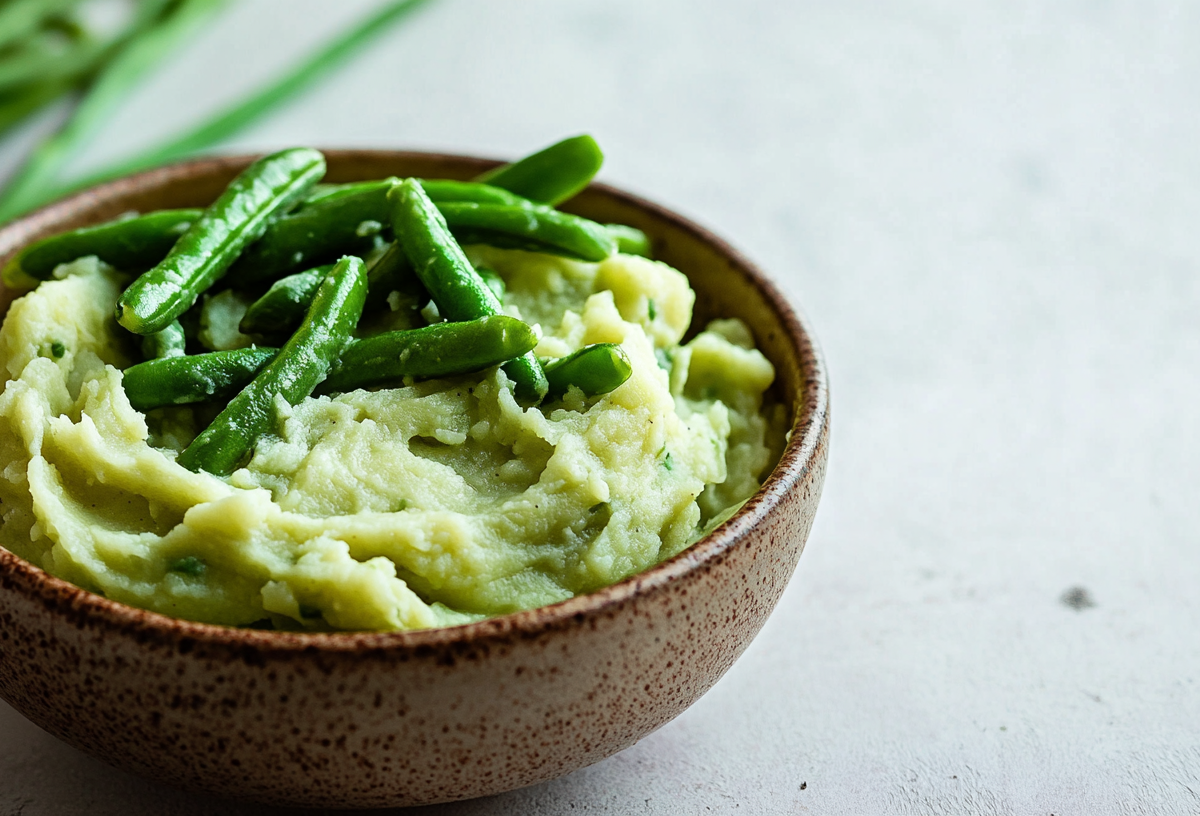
(261, 238)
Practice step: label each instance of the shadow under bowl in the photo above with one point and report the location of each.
(406, 718)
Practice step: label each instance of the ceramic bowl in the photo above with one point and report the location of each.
(406, 718)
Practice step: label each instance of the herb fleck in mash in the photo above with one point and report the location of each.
(411, 505)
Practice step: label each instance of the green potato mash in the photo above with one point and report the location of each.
(426, 504)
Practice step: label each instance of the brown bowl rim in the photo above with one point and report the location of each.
(808, 436)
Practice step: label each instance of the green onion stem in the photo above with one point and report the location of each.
(260, 103)
(157, 38)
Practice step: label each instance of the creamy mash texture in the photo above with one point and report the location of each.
(426, 504)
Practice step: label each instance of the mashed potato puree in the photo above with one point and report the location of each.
(424, 505)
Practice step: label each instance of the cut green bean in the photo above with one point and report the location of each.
(129, 244)
(630, 240)
(341, 220)
(153, 39)
(259, 194)
(283, 305)
(301, 365)
(596, 369)
(262, 102)
(552, 175)
(440, 350)
(390, 273)
(533, 227)
(453, 283)
(182, 380)
(170, 342)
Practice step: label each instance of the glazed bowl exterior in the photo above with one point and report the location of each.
(358, 720)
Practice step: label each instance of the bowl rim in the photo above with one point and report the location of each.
(809, 433)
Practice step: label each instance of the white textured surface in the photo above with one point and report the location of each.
(990, 210)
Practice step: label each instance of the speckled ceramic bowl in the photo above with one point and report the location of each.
(385, 719)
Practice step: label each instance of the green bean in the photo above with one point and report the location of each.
(391, 272)
(594, 370)
(533, 227)
(630, 240)
(440, 350)
(129, 244)
(341, 220)
(336, 225)
(552, 175)
(283, 305)
(260, 103)
(454, 285)
(296, 370)
(446, 190)
(170, 342)
(266, 188)
(185, 379)
(322, 191)
(153, 39)
(436, 189)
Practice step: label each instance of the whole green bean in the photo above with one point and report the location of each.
(130, 244)
(301, 365)
(193, 378)
(202, 255)
(532, 227)
(283, 305)
(552, 175)
(453, 283)
(595, 370)
(170, 342)
(440, 350)
(343, 220)
(630, 240)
